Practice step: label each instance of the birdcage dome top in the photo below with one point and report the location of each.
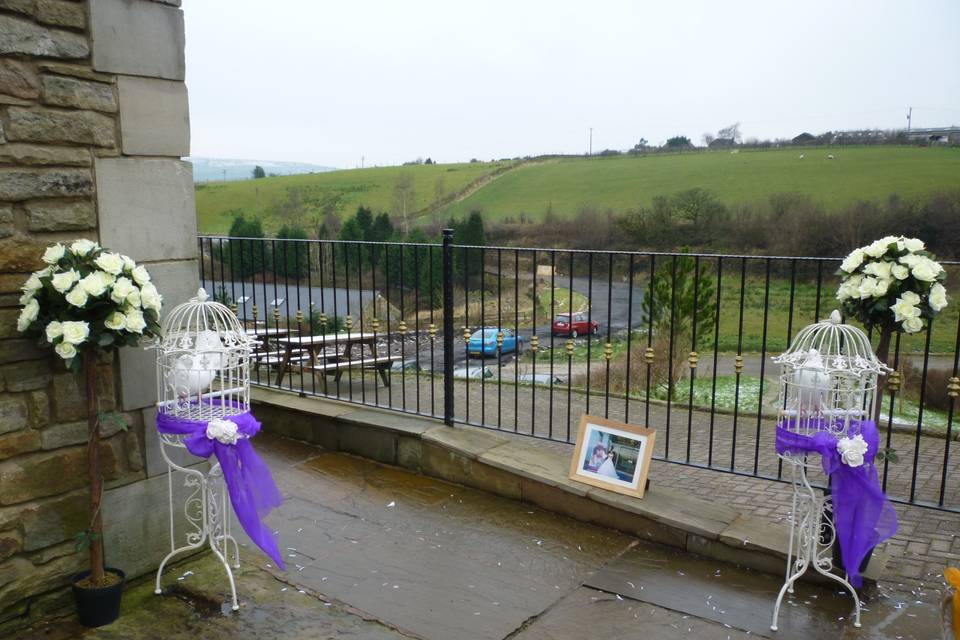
(836, 347)
(202, 316)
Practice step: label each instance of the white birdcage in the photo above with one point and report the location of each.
(828, 383)
(203, 373)
(828, 378)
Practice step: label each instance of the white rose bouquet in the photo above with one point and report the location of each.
(88, 299)
(893, 285)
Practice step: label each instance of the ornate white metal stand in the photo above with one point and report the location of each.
(203, 374)
(812, 536)
(828, 380)
(207, 514)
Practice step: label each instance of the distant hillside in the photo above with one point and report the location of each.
(508, 190)
(337, 192)
(624, 182)
(220, 169)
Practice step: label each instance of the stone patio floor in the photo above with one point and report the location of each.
(377, 552)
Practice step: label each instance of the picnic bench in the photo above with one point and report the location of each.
(313, 349)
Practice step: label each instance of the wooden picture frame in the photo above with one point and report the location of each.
(612, 455)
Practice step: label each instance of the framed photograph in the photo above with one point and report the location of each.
(612, 455)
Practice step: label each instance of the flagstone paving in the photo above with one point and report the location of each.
(377, 552)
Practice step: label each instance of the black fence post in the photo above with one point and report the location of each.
(448, 326)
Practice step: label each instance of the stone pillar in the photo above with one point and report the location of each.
(93, 123)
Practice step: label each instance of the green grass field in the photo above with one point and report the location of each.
(338, 191)
(625, 182)
(618, 183)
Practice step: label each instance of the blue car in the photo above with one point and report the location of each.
(483, 342)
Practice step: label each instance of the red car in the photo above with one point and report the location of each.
(578, 326)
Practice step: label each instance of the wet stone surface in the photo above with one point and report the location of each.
(377, 552)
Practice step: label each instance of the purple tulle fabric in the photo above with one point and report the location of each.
(253, 493)
(862, 515)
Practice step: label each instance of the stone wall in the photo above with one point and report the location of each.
(93, 123)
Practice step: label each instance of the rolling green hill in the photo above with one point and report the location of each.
(340, 192)
(624, 182)
(619, 183)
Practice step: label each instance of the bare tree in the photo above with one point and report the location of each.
(403, 196)
(707, 139)
(731, 132)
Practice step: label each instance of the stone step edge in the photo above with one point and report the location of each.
(485, 460)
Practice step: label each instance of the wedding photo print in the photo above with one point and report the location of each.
(612, 455)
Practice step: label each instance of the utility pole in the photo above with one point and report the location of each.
(909, 116)
(362, 158)
(590, 153)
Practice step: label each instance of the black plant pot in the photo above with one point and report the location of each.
(97, 607)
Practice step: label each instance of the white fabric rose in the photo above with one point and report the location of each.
(54, 330)
(899, 271)
(53, 254)
(925, 271)
(910, 259)
(867, 288)
(28, 315)
(133, 299)
(913, 324)
(96, 283)
(32, 284)
(878, 248)
(938, 297)
(26, 297)
(110, 262)
(116, 321)
(140, 275)
(66, 350)
(150, 298)
(63, 281)
(128, 263)
(852, 261)
(135, 321)
(852, 450)
(122, 288)
(904, 307)
(912, 244)
(223, 431)
(75, 332)
(83, 246)
(77, 297)
(880, 269)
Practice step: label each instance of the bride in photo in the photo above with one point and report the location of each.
(609, 466)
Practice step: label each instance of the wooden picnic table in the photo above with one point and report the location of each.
(319, 362)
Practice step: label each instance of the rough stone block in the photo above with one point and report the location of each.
(8, 322)
(23, 184)
(25, 376)
(32, 154)
(70, 397)
(146, 208)
(76, 71)
(48, 125)
(16, 79)
(13, 413)
(54, 520)
(289, 415)
(18, 442)
(467, 441)
(154, 117)
(177, 282)
(61, 91)
(20, 349)
(526, 460)
(10, 543)
(137, 38)
(68, 433)
(61, 13)
(37, 475)
(408, 453)
(6, 220)
(29, 579)
(39, 409)
(23, 36)
(74, 215)
(673, 509)
(20, 6)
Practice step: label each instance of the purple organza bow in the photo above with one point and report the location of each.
(253, 493)
(862, 515)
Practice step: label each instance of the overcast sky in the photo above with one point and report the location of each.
(331, 81)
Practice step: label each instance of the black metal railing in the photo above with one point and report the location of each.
(678, 342)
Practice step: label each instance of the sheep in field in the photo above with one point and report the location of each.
(830, 157)
(801, 156)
